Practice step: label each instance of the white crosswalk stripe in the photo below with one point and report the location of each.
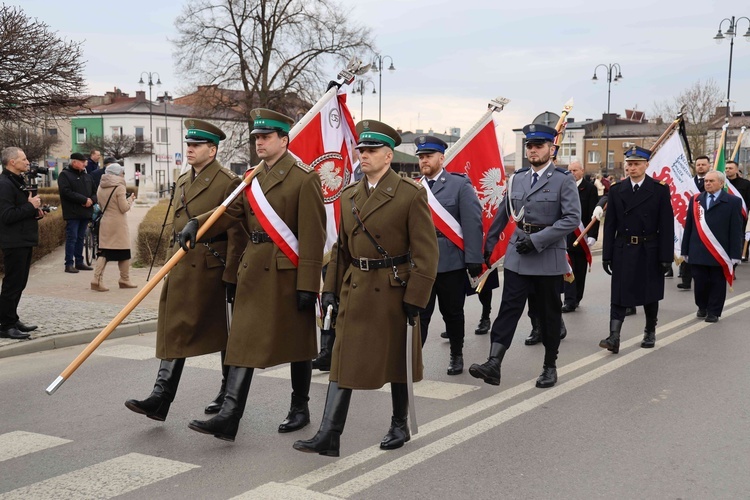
(279, 491)
(19, 443)
(103, 480)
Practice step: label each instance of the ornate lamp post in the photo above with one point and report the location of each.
(611, 69)
(377, 67)
(359, 88)
(150, 84)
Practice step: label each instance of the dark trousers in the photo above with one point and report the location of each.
(535, 308)
(710, 288)
(574, 290)
(75, 231)
(450, 291)
(617, 311)
(687, 275)
(17, 264)
(516, 290)
(485, 298)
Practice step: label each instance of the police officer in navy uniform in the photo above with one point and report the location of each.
(457, 196)
(638, 246)
(544, 203)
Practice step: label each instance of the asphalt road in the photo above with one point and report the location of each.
(669, 422)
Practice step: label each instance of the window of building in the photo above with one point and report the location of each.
(594, 157)
(139, 134)
(80, 135)
(162, 135)
(52, 132)
(567, 150)
(116, 131)
(610, 159)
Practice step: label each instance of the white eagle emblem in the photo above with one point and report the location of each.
(492, 191)
(329, 176)
(333, 175)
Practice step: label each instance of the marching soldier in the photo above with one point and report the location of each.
(278, 278)
(544, 204)
(455, 208)
(638, 246)
(192, 310)
(382, 269)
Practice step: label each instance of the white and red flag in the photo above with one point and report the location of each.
(584, 245)
(478, 155)
(324, 139)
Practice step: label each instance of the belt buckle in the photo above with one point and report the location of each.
(526, 228)
(364, 264)
(634, 240)
(255, 237)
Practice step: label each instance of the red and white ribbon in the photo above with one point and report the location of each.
(272, 224)
(443, 220)
(583, 243)
(711, 243)
(733, 190)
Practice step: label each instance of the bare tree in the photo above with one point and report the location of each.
(21, 135)
(699, 101)
(40, 72)
(120, 145)
(273, 51)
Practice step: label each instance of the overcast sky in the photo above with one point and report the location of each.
(452, 57)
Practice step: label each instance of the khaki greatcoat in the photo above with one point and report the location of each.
(192, 307)
(114, 233)
(267, 329)
(370, 347)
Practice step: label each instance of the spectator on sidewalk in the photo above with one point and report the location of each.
(97, 174)
(114, 234)
(19, 234)
(92, 164)
(77, 197)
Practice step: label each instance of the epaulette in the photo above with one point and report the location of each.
(459, 174)
(412, 182)
(563, 170)
(350, 186)
(303, 166)
(520, 171)
(662, 183)
(228, 173)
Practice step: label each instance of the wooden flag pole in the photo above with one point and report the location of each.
(737, 146)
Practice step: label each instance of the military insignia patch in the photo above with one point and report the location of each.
(422, 140)
(333, 175)
(366, 125)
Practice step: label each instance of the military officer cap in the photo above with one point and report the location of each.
(266, 121)
(201, 132)
(637, 153)
(536, 133)
(375, 134)
(430, 144)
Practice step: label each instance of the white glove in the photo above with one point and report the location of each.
(747, 236)
(590, 241)
(735, 262)
(598, 212)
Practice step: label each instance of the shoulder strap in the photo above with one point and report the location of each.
(110, 197)
(378, 247)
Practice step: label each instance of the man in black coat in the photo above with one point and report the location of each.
(713, 254)
(588, 196)
(702, 165)
(19, 234)
(743, 187)
(77, 197)
(638, 246)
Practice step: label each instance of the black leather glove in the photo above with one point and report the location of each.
(607, 265)
(525, 246)
(487, 256)
(330, 299)
(474, 270)
(231, 289)
(412, 312)
(306, 300)
(666, 267)
(188, 235)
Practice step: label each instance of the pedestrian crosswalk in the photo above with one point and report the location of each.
(107, 479)
(431, 389)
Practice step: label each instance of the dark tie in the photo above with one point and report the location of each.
(635, 188)
(534, 178)
(700, 184)
(431, 182)
(710, 202)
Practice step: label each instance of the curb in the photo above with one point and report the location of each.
(74, 338)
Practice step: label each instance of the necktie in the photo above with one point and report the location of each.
(710, 202)
(700, 184)
(635, 188)
(534, 178)
(431, 182)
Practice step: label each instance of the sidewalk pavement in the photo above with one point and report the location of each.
(68, 312)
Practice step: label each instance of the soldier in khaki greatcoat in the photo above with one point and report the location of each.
(383, 275)
(278, 278)
(192, 307)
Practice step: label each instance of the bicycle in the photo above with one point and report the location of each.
(91, 243)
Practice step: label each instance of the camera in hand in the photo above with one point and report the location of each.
(35, 170)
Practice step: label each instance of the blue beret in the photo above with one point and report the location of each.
(637, 153)
(539, 133)
(430, 144)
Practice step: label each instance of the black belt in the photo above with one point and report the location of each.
(531, 228)
(215, 239)
(365, 264)
(260, 237)
(637, 240)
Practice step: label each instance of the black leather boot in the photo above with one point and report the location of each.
(649, 334)
(215, 405)
(323, 361)
(156, 406)
(563, 329)
(548, 378)
(484, 326)
(227, 422)
(327, 440)
(398, 434)
(456, 364)
(536, 332)
(490, 371)
(299, 412)
(612, 343)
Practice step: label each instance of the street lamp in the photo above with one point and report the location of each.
(611, 68)
(377, 67)
(359, 87)
(731, 32)
(150, 84)
(165, 98)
